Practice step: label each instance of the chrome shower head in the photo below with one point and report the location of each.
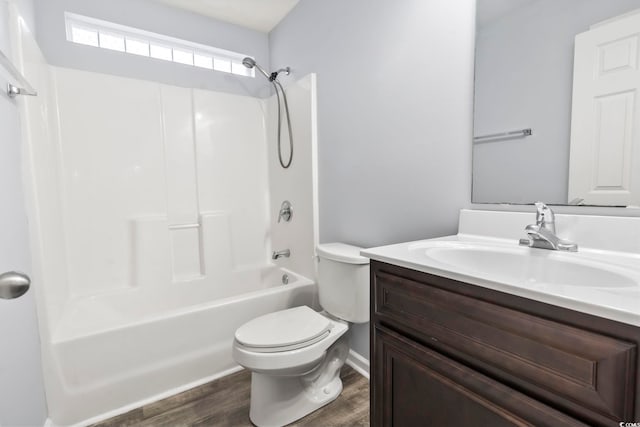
(250, 63)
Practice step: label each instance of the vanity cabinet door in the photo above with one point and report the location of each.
(584, 366)
(416, 386)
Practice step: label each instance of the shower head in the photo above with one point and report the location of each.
(250, 63)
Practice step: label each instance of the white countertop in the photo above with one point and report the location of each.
(620, 303)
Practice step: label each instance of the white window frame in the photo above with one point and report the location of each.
(73, 20)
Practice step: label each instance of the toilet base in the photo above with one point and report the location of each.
(280, 400)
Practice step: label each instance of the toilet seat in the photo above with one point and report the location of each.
(288, 362)
(284, 330)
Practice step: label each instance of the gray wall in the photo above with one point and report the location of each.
(155, 17)
(394, 112)
(524, 75)
(22, 399)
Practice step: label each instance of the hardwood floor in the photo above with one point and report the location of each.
(225, 403)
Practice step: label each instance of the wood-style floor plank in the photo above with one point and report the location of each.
(225, 403)
(350, 409)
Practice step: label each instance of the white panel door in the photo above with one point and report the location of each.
(21, 386)
(604, 164)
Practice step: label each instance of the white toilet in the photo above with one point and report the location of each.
(295, 355)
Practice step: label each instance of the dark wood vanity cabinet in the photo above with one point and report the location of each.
(447, 353)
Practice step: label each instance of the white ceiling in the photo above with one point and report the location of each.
(260, 15)
(490, 10)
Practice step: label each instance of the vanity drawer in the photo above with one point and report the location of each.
(580, 371)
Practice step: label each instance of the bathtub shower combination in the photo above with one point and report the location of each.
(154, 216)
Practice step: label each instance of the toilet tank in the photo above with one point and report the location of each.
(343, 281)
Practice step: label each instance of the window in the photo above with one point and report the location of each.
(107, 35)
(161, 52)
(84, 36)
(137, 47)
(111, 41)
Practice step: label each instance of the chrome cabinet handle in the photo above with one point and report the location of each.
(13, 284)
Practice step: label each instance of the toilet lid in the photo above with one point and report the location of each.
(285, 328)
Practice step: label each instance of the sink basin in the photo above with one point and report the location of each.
(525, 265)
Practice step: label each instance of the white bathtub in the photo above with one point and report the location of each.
(114, 351)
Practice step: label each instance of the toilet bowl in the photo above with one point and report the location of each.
(295, 355)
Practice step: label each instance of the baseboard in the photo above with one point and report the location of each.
(358, 363)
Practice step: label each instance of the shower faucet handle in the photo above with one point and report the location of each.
(286, 211)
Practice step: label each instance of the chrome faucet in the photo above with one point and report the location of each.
(542, 234)
(281, 254)
(286, 211)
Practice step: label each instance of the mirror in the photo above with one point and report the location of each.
(556, 110)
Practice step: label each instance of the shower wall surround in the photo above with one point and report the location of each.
(297, 184)
(162, 184)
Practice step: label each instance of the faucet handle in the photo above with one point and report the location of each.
(545, 217)
(540, 206)
(286, 211)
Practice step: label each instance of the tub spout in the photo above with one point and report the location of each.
(281, 254)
